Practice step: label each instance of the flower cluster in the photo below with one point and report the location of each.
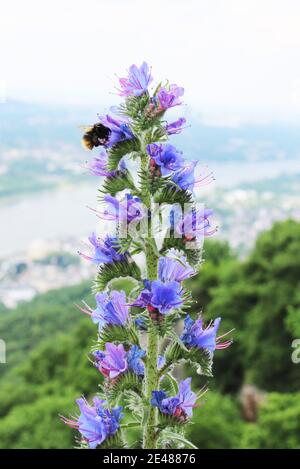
(95, 422)
(135, 301)
(181, 405)
(166, 293)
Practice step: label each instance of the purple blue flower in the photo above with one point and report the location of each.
(134, 360)
(105, 252)
(170, 269)
(195, 224)
(196, 335)
(135, 363)
(112, 362)
(166, 157)
(175, 127)
(118, 130)
(181, 405)
(160, 296)
(95, 422)
(137, 81)
(99, 165)
(169, 96)
(166, 296)
(115, 361)
(111, 309)
(185, 178)
(128, 210)
(161, 361)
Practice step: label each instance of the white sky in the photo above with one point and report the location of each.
(239, 60)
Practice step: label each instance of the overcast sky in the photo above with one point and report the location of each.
(239, 60)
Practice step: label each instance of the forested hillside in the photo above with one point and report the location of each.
(47, 369)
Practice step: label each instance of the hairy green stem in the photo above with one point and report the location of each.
(151, 373)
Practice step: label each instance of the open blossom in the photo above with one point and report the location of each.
(185, 178)
(166, 157)
(134, 360)
(111, 309)
(98, 165)
(180, 405)
(160, 296)
(195, 335)
(105, 251)
(175, 127)
(137, 81)
(95, 423)
(128, 210)
(112, 362)
(170, 269)
(169, 96)
(117, 130)
(115, 361)
(195, 224)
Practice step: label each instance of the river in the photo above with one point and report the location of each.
(62, 212)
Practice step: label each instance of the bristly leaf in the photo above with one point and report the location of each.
(116, 152)
(167, 421)
(134, 106)
(168, 435)
(125, 382)
(120, 181)
(114, 442)
(148, 183)
(169, 385)
(156, 133)
(193, 255)
(117, 269)
(126, 335)
(142, 119)
(171, 194)
(201, 360)
(134, 403)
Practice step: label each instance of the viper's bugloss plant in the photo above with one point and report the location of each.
(147, 193)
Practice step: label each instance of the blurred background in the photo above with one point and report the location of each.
(239, 63)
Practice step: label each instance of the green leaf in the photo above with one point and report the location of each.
(125, 426)
(177, 437)
(165, 421)
(134, 402)
(120, 181)
(177, 352)
(119, 334)
(116, 153)
(201, 361)
(174, 352)
(169, 384)
(125, 382)
(134, 106)
(114, 442)
(108, 272)
(193, 255)
(171, 194)
(156, 133)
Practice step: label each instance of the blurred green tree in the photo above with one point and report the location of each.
(278, 425)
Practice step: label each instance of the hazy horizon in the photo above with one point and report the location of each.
(238, 61)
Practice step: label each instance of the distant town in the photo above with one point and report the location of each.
(257, 183)
(241, 215)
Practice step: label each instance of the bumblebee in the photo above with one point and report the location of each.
(95, 136)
